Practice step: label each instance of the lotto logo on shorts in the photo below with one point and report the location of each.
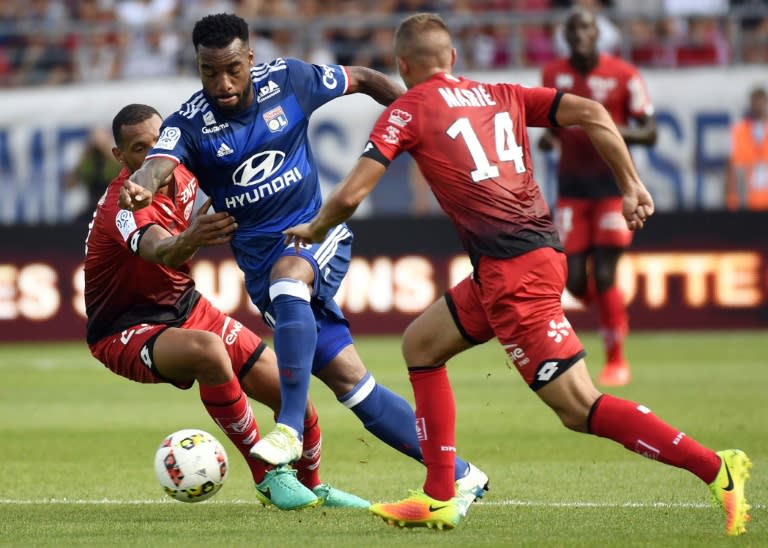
(144, 354)
(559, 330)
(421, 429)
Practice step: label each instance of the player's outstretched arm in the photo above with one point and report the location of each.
(340, 204)
(206, 229)
(139, 188)
(592, 117)
(373, 83)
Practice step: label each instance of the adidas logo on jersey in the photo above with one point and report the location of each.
(224, 149)
(270, 89)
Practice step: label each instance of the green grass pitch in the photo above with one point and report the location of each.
(78, 442)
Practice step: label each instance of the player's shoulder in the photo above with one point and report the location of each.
(615, 64)
(558, 64)
(275, 69)
(192, 112)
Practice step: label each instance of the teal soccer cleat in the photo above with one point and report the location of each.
(336, 498)
(280, 488)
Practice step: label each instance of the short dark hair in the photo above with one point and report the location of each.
(131, 115)
(218, 30)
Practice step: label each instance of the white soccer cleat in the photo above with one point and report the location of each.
(470, 487)
(281, 446)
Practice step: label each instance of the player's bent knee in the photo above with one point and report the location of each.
(209, 359)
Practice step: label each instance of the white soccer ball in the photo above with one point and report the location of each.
(191, 465)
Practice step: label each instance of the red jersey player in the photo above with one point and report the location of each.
(470, 142)
(148, 323)
(589, 205)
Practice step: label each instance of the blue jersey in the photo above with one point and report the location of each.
(257, 165)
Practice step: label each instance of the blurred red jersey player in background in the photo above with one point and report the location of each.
(588, 212)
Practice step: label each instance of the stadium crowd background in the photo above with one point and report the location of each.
(45, 42)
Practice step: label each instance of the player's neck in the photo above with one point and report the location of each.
(584, 64)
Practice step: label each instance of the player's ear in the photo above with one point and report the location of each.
(402, 66)
(118, 155)
(453, 57)
(250, 57)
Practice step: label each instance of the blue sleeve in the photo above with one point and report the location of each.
(176, 142)
(315, 85)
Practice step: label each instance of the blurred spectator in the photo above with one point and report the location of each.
(194, 10)
(649, 44)
(152, 52)
(685, 8)
(747, 178)
(608, 38)
(43, 54)
(59, 41)
(752, 30)
(149, 43)
(96, 53)
(704, 44)
(97, 57)
(91, 175)
(44, 60)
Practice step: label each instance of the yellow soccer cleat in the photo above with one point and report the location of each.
(419, 510)
(728, 489)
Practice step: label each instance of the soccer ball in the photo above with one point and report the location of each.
(191, 465)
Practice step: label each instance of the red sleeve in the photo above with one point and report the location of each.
(540, 105)
(396, 128)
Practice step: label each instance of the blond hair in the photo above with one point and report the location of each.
(423, 38)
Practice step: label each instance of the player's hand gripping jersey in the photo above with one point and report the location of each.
(122, 289)
(618, 86)
(257, 165)
(470, 142)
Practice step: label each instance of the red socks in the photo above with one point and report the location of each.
(435, 427)
(614, 322)
(229, 408)
(639, 430)
(308, 466)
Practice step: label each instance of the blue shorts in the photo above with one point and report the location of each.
(330, 262)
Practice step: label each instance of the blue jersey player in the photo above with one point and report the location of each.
(244, 136)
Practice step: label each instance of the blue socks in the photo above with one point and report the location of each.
(295, 338)
(389, 417)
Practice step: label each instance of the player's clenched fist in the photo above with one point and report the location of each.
(638, 207)
(133, 196)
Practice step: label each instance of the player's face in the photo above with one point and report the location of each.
(581, 35)
(226, 76)
(136, 141)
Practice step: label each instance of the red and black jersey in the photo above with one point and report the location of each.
(471, 144)
(618, 86)
(121, 288)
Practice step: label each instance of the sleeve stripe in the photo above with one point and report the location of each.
(371, 151)
(345, 70)
(134, 242)
(160, 155)
(553, 109)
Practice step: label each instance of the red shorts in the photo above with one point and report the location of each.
(587, 223)
(129, 353)
(517, 300)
